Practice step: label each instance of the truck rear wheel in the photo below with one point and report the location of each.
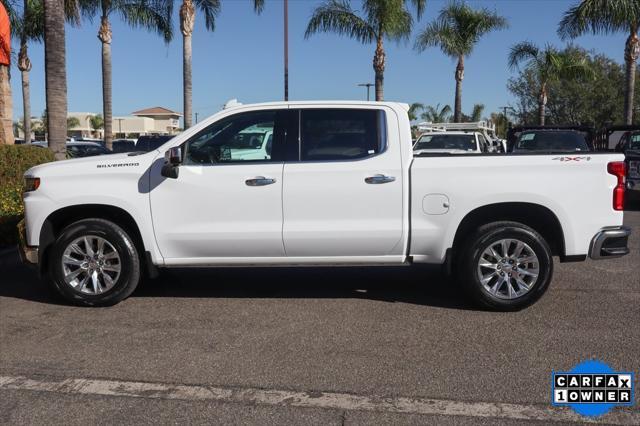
(94, 262)
(506, 266)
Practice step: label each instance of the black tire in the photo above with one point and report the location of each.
(129, 274)
(474, 246)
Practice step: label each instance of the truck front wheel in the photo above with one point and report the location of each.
(506, 266)
(94, 262)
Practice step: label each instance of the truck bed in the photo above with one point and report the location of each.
(576, 188)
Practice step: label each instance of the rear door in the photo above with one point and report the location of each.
(343, 195)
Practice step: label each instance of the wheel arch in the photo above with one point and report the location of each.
(540, 218)
(61, 218)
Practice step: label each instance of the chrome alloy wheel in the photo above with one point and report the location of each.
(508, 268)
(91, 265)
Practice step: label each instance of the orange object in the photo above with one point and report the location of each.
(5, 37)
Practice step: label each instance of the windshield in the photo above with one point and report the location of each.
(464, 142)
(551, 141)
(149, 143)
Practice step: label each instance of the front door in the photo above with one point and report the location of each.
(227, 200)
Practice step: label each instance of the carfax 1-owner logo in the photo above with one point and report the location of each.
(592, 388)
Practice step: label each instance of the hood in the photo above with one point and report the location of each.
(111, 163)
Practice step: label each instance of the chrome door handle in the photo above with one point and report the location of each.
(259, 181)
(377, 179)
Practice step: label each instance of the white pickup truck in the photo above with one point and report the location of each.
(337, 185)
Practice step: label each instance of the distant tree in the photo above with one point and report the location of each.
(437, 114)
(18, 127)
(605, 17)
(501, 122)
(548, 65)
(72, 122)
(414, 109)
(380, 19)
(456, 31)
(574, 101)
(96, 122)
(476, 114)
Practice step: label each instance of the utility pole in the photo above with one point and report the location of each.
(368, 86)
(286, 50)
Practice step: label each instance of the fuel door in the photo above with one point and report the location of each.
(435, 204)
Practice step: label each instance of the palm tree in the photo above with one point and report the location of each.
(414, 108)
(548, 64)
(27, 27)
(210, 9)
(476, 113)
(381, 19)
(56, 75)
(437, 114)
(153, 15)
(30, 27)
(604, 17)
(456, 31)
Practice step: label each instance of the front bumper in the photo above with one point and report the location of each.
(610, 242)
(28, 255)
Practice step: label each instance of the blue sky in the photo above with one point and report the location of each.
(243, 59)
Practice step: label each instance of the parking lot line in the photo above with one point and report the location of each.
(327, 400)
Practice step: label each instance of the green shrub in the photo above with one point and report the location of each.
(14, 161)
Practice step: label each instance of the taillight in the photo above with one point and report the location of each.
(619, 170)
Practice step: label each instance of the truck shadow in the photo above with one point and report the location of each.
(419, 285)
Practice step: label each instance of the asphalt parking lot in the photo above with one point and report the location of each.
(318, 346)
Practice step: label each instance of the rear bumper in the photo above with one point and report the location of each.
(28, 255)
(610, 242)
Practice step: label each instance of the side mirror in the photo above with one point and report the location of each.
(173, 159)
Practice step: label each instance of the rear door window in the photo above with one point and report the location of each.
(341, 134)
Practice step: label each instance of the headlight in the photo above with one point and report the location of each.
(31, 183)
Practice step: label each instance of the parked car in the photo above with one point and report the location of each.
(80, 149)
(451, 142)
(629, 145)
(550, 139)
(340, 186)
(123, 145)
(150, 143)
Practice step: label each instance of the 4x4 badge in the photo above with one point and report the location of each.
(567, 158)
